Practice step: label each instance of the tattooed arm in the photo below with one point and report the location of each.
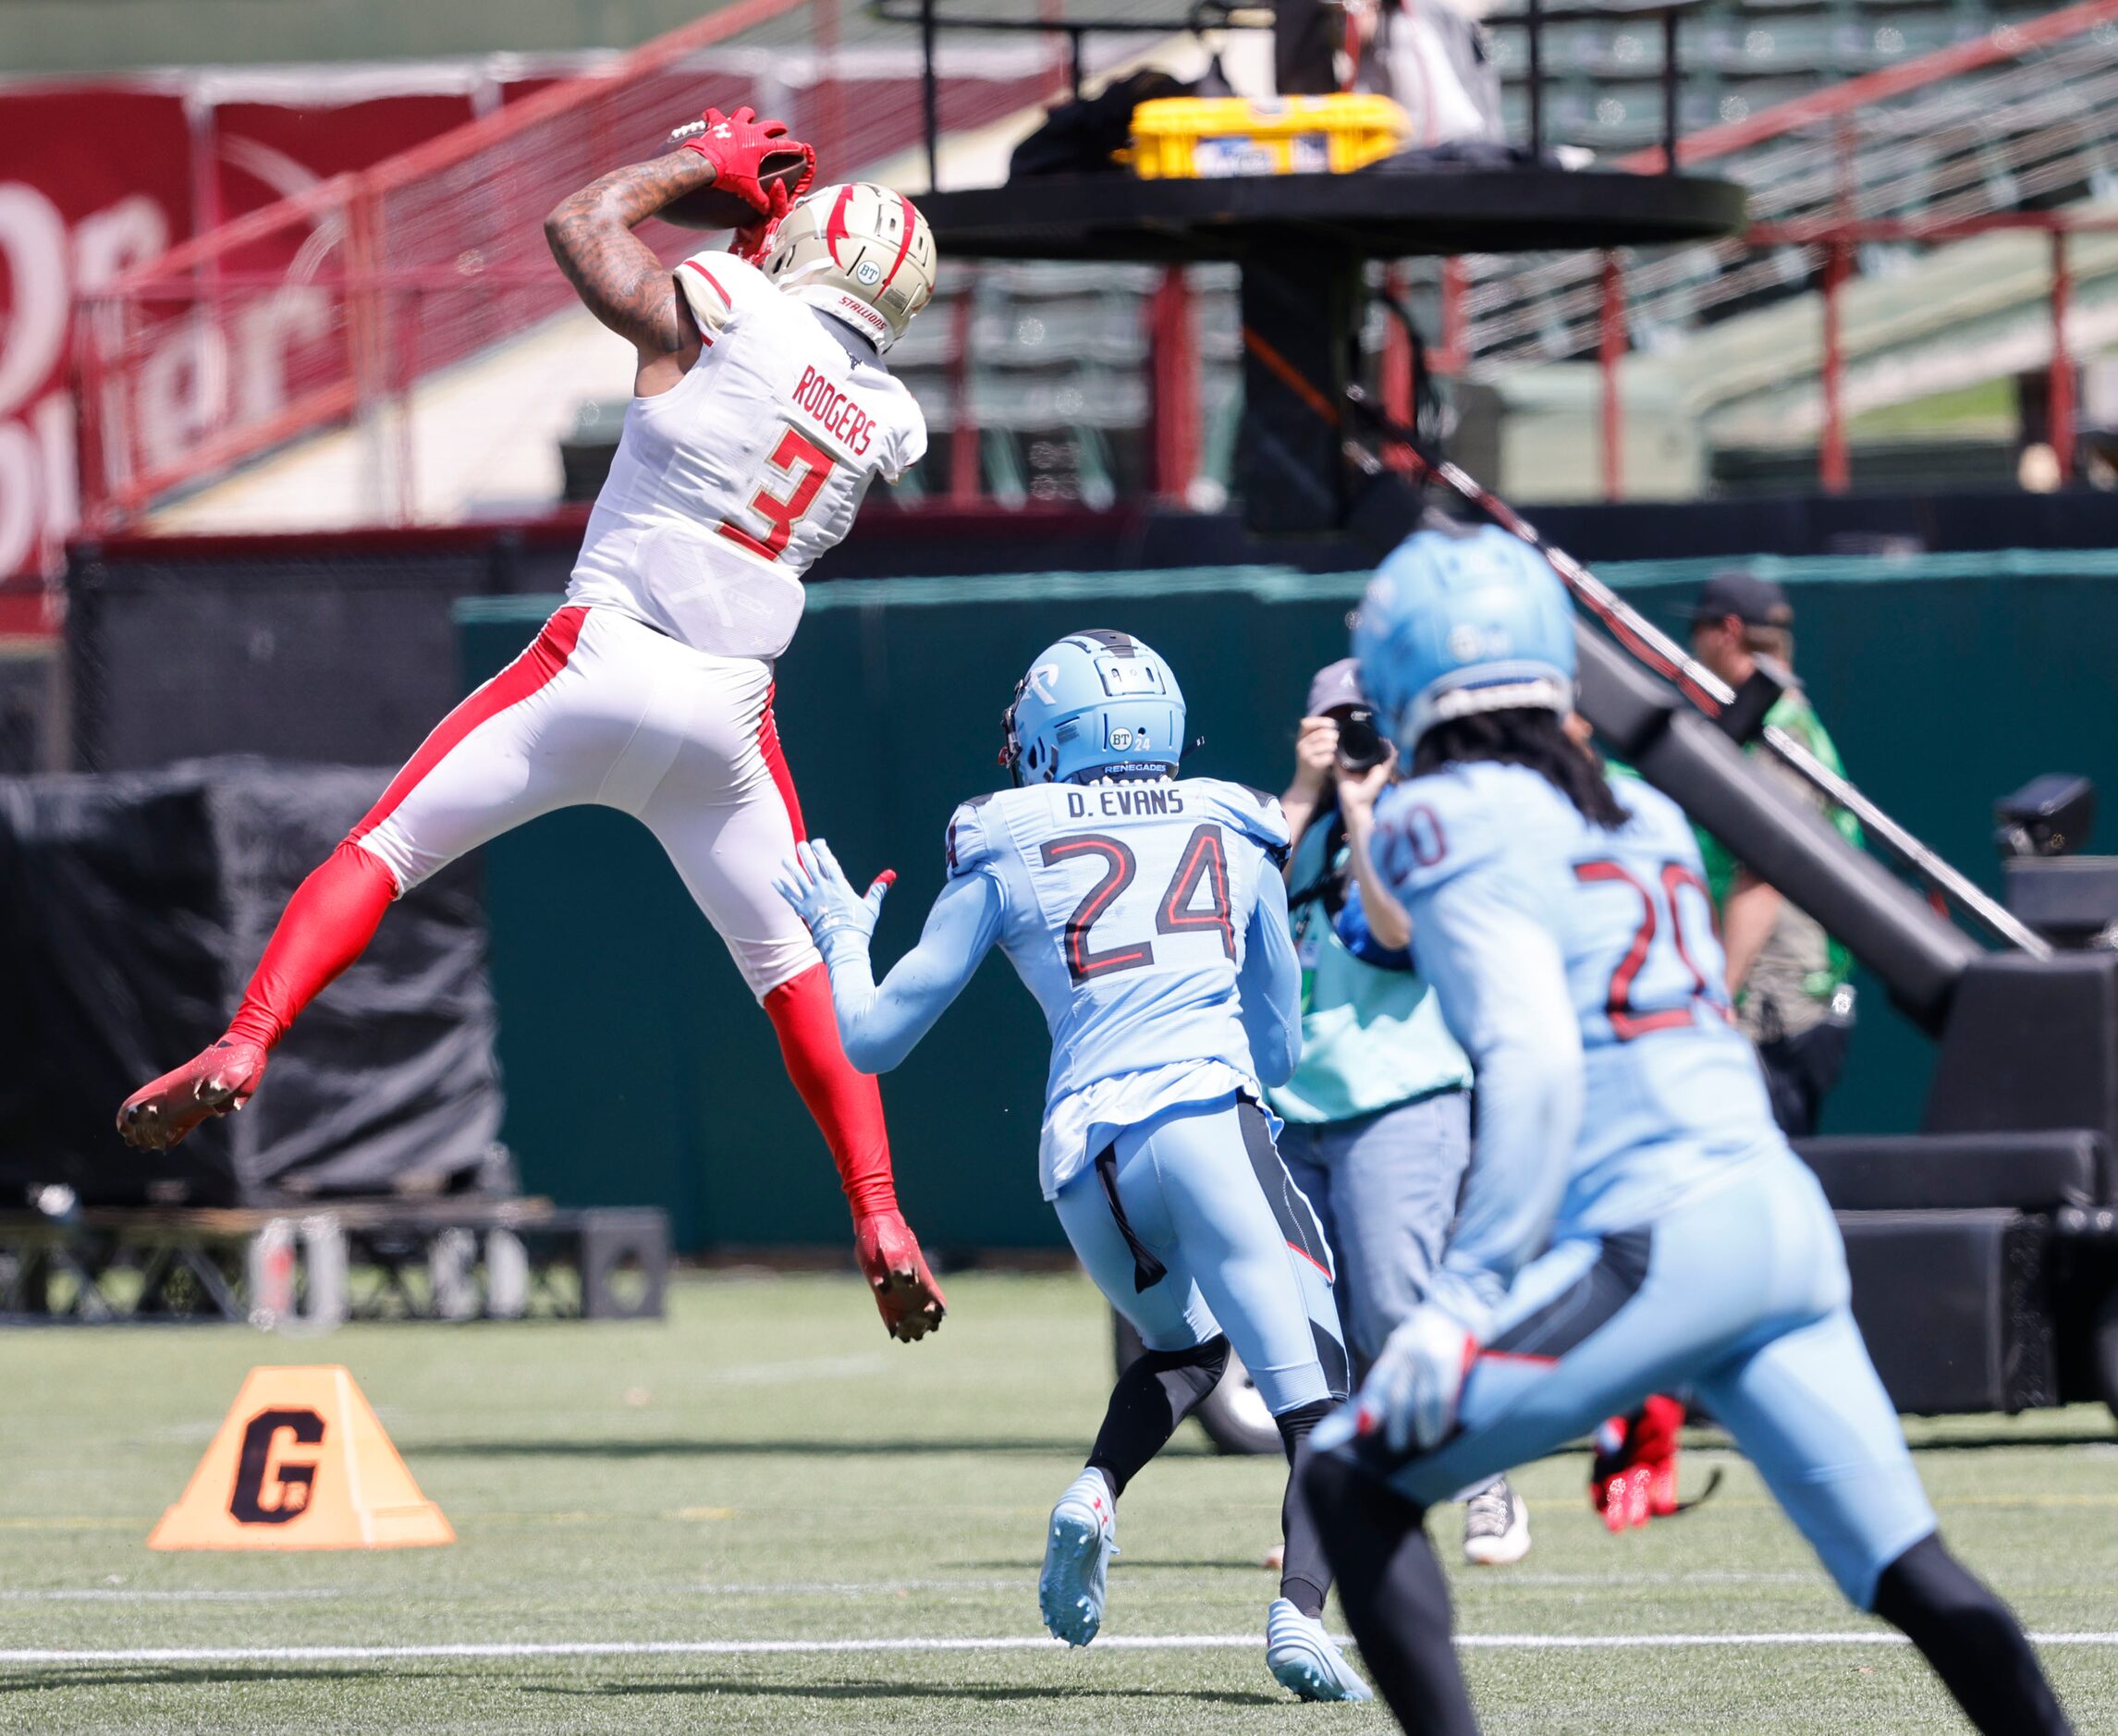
(617, 275)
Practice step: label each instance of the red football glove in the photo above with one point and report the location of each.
(1634, 1478)
(739, 146)
(910, 1300)
(754, 240)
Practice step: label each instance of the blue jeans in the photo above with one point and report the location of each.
(1385, 1187)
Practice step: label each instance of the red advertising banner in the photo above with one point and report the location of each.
(266, 152)
(311, 287)
(96, 178)
(92, 181)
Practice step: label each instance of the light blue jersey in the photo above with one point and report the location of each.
(1631, 1220)
(1149, 920)
(1132, 912)
(1147, 917)
(1511, 889)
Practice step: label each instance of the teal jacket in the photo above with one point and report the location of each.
(1371, 1035)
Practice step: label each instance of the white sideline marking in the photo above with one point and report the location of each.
(98, 1595)
(843, 1588)
(1680, 1576)
(1008, 1643)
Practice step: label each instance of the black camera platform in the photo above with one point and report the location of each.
(1304, 242)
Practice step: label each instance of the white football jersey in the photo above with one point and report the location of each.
(726, 488)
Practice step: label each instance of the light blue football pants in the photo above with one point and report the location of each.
(1190, 1225)
(1740, 1293)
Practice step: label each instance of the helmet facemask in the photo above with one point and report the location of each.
(1010, 743)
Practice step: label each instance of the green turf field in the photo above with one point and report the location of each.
(767, 1466)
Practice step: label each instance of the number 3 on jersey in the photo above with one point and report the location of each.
(806, 466)
(1203, 865)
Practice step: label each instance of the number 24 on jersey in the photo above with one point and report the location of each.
(1202, 869)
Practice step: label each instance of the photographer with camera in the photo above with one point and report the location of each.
(1378, 1111)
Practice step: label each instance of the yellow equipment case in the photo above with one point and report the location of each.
(1205, 137)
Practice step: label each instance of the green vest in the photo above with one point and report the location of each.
(1371, 1038)
(1793, 713)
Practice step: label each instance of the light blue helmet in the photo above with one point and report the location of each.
(1095, 703)
(1458, 620)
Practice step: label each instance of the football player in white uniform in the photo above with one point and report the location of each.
(762, 413)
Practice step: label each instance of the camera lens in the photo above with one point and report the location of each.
(1360, 745)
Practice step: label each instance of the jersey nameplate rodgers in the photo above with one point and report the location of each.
(726, 488)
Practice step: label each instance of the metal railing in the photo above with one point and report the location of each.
(335, 306)
(293, 318)
(1967, 141)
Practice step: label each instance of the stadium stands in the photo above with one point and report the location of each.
(2026, 131)
(1045, 371)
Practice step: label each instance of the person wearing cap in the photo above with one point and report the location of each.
(1379, 1110)
(1789, 977)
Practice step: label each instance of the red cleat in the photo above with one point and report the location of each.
(212, 1083)
(1662, 1488)
(1623, 1499)
(910, 1300)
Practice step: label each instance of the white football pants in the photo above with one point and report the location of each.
(602, 709)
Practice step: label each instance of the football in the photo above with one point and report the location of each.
(714, 207)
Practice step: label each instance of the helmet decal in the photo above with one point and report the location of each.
(859, 251)
(909, 219)
(835, 230)
(1094, 705)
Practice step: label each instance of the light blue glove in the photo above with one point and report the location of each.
(817, 888)
(1412, 1392)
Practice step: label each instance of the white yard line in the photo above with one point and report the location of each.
(1010, 1643)
(800, 1369)
(844, 1588)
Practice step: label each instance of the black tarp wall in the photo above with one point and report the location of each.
(132, 910)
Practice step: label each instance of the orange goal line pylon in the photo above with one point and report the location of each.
(300, 1462)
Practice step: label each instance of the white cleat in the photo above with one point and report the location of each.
(1303, 1660)
(1496, 1526)
(1079, 1543)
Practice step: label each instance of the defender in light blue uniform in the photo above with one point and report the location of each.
(1631, 1220)
(1147, 916)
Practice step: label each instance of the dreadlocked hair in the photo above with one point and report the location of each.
(1534, 739)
